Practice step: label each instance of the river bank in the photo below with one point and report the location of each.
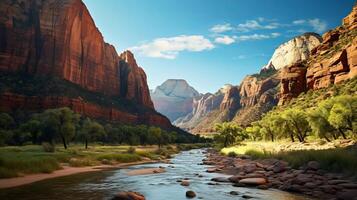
(66, 171)
(308, 179)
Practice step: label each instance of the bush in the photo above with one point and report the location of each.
(131, 150)
(123, 158)
(47, 147)
(232, 154)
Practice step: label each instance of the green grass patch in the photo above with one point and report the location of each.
(122, 158)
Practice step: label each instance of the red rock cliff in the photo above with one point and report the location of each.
(60, 38)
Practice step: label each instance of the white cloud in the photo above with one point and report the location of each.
(221, 28)
(318, 25)
(170, 47)
(225, 40)
(257, 36)
(300, 21)
(254, 25)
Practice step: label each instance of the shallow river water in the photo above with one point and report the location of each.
(164, 186)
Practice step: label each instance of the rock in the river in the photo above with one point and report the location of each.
(129, 195)
(220, 179)
(185, 183)
(190, 194)
(253, 181)
(233, 193)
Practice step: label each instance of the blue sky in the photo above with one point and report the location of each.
(209, 42)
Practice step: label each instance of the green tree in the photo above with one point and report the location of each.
(297, 120)
(155, 136)
(33, 127)
(91, 131)
(6, 121)
(229, 133)
(60, 122)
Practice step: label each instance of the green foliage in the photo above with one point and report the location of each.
(335, 160)
(131, 150)
(123, 157)
(229, 133)
(327, 113)
(47, 147)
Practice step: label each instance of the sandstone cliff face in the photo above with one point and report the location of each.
(174, 98)
(295, 50)
(59, 39)
(331, 62)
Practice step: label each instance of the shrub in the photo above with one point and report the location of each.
(131, 150)
(47, 147)
(232, 154)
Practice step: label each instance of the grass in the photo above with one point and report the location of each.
(17, 161)
(340, 159)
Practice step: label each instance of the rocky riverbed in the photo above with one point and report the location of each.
(272, 173)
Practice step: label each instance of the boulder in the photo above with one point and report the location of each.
(129, 195)
(253, 181)
(190, 194)
(185, 183)
(313, 165)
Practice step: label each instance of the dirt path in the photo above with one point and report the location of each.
(66, 171)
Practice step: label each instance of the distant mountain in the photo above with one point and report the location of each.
(306, 62)
(174, 98)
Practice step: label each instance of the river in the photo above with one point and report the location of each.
(164, 186)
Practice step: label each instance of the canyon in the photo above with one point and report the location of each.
(59, 39)
(306, 62)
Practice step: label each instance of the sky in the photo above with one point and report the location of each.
(209, 43)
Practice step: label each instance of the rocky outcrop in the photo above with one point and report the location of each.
(293, 51)
(252, 89)
(332, 62)
(174, 98)
(59, 39)
(293, 82)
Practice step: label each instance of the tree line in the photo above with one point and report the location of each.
(64, 126)
(331, 119)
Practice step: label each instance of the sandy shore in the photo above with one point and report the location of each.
(66, 171)
(145, 171)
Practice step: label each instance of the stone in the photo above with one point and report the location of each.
(234, 193)
(220, 179)
(185, 183)
(313, 165)
(190, 194)
(347, 195)
(349, 185)
(253, 181)
(263, 187)
(128, 196)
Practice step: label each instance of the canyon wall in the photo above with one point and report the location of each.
(60, 39)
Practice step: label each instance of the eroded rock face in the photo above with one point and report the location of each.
(293, 82)
(252, 90)
(295, 50)
(174, 98)
(60, 38)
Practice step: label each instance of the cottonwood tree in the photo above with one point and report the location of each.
(91, 131)
(297, 120)
(229, 133)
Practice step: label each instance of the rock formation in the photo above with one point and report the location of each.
(59, 39)
(293, 51)
(174, 98)
(307, 62)
(331, 62)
